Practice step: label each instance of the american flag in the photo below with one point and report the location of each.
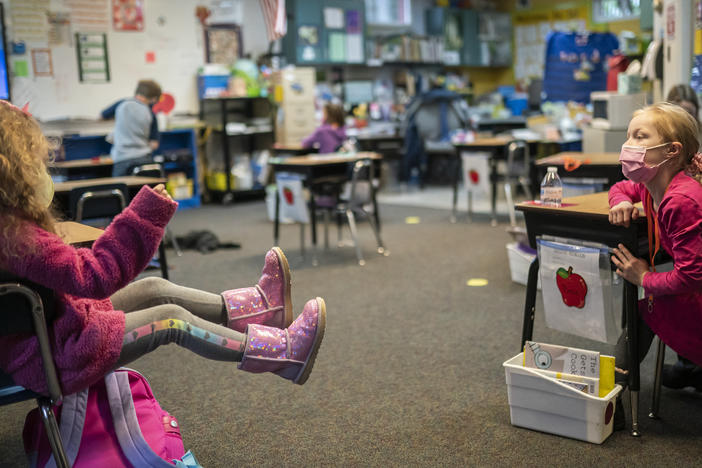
(274, 16)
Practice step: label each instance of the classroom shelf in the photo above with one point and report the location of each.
(222, 147)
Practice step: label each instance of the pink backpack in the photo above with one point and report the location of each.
(115, 422)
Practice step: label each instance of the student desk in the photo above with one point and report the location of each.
(586, 217)
(100, 166)
(496, 147)
(77, 234)
(290, 149)
(584, 165)
(390, 146)
(319, 169)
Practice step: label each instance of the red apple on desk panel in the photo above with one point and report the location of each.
(572, 287)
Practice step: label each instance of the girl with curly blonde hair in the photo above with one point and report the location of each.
(102, 319)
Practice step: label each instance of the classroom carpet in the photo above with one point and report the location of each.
(410, 371)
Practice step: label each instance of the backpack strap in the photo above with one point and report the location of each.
(124, 418)
(73, 412)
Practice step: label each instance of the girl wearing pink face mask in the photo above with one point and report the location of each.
(661, 160)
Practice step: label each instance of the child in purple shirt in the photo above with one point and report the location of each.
(331, 134)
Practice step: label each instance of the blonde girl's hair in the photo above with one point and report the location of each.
(674, 123)
(24, 154)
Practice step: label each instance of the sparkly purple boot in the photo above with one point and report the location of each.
(290, 353)
(267, 303)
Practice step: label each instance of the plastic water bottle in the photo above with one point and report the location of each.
(551, 188)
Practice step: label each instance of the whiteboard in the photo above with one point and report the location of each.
(172, 35)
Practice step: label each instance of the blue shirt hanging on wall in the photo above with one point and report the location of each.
(576, 64)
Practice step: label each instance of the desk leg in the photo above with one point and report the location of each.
(313, 227)
(162, 259)
(656, 403)
(455, 195)
(632, 321)
(493, 189)
(530, 303)
(276, 223)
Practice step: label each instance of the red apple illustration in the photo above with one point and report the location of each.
(474, 176)
(572, 287)
(288, 194)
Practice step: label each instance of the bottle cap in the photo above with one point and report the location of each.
(552, 169)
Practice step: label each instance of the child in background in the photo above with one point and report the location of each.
(661, 160)
(684, 96)
(331, 134)
(135, 135)
(102, 320)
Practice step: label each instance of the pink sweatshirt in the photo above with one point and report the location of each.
(86, 334)
(677, 312)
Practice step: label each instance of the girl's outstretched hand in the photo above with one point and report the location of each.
(629, 267)
(622, 213)
(161, 190)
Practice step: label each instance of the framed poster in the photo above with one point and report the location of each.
(128, 15)
(223, 43)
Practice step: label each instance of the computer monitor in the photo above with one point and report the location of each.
(4, 70)
(357, 92)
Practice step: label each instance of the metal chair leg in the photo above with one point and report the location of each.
(470, 205)
(374, 227)
(174, 241)
(510, 204)
(302, 241)
(354, 235)
(656, 402)
(326, 229)
(53, 433)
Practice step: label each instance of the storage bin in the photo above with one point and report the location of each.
(209, 86)
(519, 262)
(545, 404)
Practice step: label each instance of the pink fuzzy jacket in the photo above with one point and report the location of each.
(86, 334)
(677, 295)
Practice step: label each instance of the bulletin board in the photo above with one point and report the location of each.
(43, 54)
(530, 32)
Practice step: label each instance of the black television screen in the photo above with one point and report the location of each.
(4, 75)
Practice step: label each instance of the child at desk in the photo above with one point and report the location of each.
(135, 135)
(661, 160)
(331, 134)
(103, 320)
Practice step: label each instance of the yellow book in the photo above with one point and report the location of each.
(606, 374)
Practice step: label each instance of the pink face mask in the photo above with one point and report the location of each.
(633, 166)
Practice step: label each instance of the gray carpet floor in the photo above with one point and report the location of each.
(410, 372)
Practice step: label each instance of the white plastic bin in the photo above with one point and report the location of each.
(545, 404)
(519, 263)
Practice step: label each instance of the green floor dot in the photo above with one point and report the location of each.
(412, 220)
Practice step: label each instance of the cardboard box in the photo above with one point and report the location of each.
(294, 85)
(544, 404)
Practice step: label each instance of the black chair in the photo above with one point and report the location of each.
(26, 307)
(353, 200)
(98, 203)
(156, 170)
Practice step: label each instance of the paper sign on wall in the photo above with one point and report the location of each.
(41, 61)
